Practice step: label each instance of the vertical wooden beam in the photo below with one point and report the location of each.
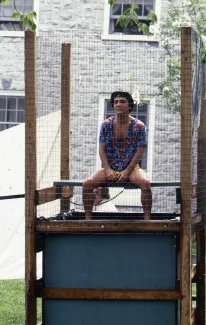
(186, 175)
(65, 117)
(30, 175)
(201, 207)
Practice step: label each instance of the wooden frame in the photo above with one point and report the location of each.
(33, 198)
(186, 175)
(65, 118)
(30, 175)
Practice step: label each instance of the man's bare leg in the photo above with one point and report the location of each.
(89, 184)
(138, 177)
(146, 199)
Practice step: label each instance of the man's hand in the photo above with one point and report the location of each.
(111, 175)
(123, 176)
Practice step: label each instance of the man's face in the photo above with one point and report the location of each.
(121, 105)
(97, 195)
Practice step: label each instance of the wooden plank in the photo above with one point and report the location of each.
(76, 182)
(193, 316)
(107, 226)
(186, 174)
(30, 175)
(201, 208)
(109, 294)
(65, 118)
(52, 193)
(193, 271)
(200, 277)
(46, 195)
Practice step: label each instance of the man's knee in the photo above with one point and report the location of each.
(86, 183)
(145, 185)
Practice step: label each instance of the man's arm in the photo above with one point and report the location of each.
(135, 160)
(123, 176)
(110, 173)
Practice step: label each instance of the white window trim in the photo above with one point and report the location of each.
(21, 33)
(125, 198)
(122, 37)
(12, 93)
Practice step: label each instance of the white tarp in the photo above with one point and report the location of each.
(12, 232)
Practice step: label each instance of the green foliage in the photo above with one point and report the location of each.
(203, 54)
(111, 2)
(181, 13)
(169, 88)
(27, 20)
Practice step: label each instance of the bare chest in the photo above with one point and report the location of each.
(121, 132)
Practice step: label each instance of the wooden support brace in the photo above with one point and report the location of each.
(109, 294)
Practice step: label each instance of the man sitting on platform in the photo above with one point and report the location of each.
(121, 143)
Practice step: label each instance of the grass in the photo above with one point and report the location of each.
(12, 303)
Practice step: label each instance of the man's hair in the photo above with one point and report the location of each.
(123, 94)
(104, 191)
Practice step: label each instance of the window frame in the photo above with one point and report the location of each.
(17, 33)
(128, 37)
(16, 96)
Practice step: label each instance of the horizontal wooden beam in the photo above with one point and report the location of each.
(107, 226)
(49, 194)
(109, 294)
(76, 182)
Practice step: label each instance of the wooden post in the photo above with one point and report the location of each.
(201, 206)
(30, 175)
(65, 118)
(186, 175)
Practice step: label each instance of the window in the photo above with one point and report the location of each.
(11, 111)
(144, 7)
(6, 11)
(140, 112)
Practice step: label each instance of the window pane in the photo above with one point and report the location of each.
(139, 10)
(11, 104)
(2, 116)
(2, 103)
(147, 9)
(125, 7)
(117, 27)
(11, 116)
(3, 127)
(11, 125)
(117, 9)
(27, 8)
(7, 11)
(20, 104)
(27, 3)
(19, 2)
(20, 116)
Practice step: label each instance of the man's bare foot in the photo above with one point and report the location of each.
(146, 217)
(88, 217)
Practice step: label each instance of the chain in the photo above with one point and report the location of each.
(101, 203)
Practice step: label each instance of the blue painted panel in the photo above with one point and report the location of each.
(141, 261)
(68, 312)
